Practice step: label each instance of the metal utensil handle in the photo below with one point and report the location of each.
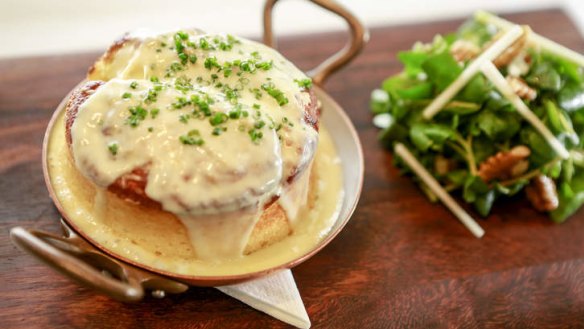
(39, 244)
(358, 37)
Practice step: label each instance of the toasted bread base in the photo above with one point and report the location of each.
(272, 226)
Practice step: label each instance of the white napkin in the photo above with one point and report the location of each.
(276, 295)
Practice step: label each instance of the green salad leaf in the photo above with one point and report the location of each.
(479, 123)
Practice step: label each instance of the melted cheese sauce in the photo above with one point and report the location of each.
(206, 167)
(159, 240)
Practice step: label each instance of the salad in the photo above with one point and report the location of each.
(490, 111)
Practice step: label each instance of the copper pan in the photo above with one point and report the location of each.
(77, 256)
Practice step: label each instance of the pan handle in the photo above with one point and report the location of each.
(358, 37)
(48, 248)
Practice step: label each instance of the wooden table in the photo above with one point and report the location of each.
(400, 262)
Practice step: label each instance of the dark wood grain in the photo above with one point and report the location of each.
(400, 262)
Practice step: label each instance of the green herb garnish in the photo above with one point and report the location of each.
(304, 83)
(192, 138)
(113, 148)
(277, 94)
(137, 115)
(211, 62)
(218, 118)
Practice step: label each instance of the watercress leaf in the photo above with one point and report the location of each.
(571, 97)
(403, 87)
(512, 189)
(553, 171)
(567, 170)
(412, 61)
(544, 76)
(455, 121)
(483, 148)
(442, 70)
(496, 101)
(430, 135)
(567, 206)
(395, 132)
(541, 152)
(473, 188)
(457, 177)
(566, 190)
(477, 90)
(484, 203)
(560, 123)
(421, 90)
(567, 68)
(500, 126)
(570, 199)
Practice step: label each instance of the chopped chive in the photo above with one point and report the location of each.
(265, 66)
(235, 114)
(183, 84)
(255, 135)
(126, 95)
(218, 118)
(276, 93)
(183, 58)
(184, 118)
(259, 124)
(180, 103)
(247, 66)
(193, 137)
(113, 148)
(257, 93)
(134, 84)
(211, 62)
(137, 115)
(183, 35)
(176, 66)
(304, 83)
(219, 130)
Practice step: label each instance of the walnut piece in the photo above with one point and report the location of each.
(512, 51)
(542, 193)
(521, 88)
(463, 50)
(505, 165)
(520, 65)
